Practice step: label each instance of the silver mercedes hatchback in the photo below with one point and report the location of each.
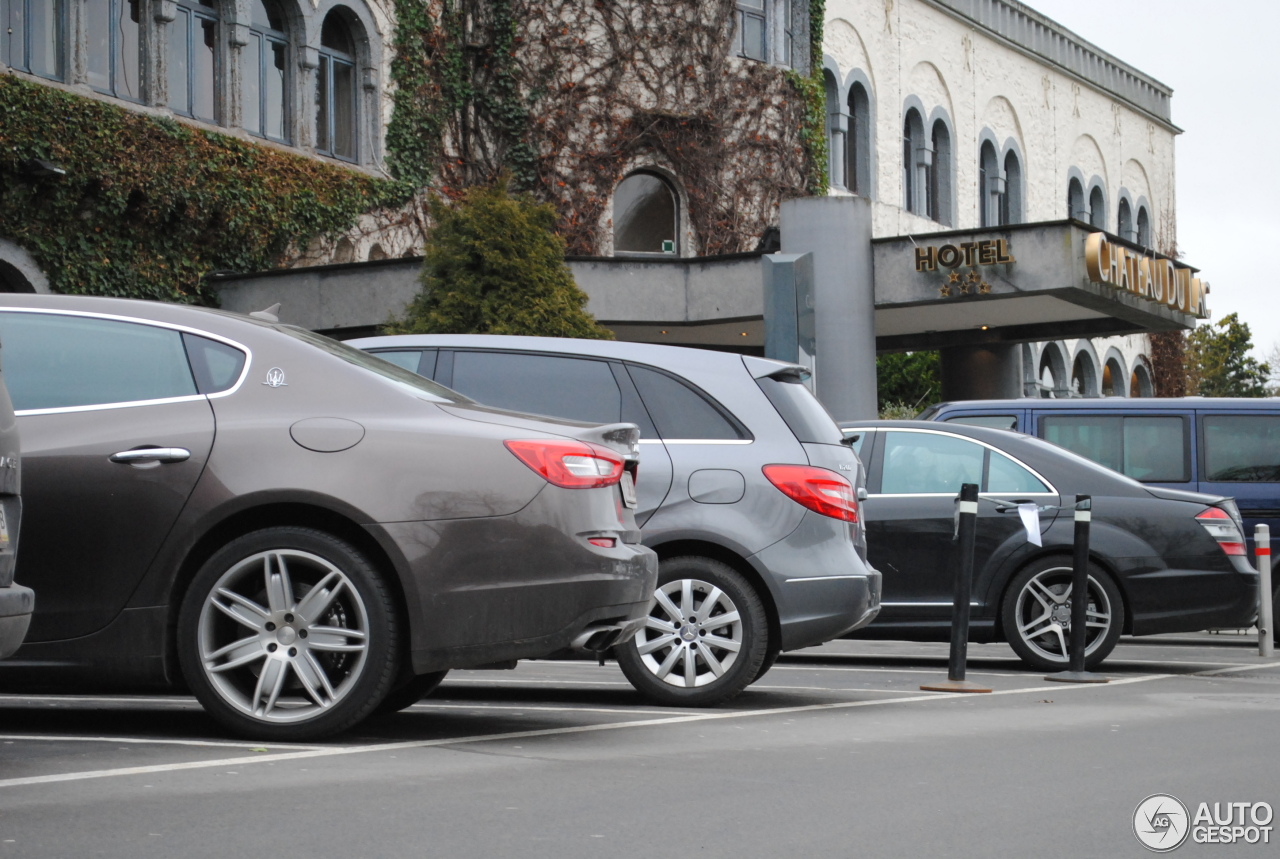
(747, 491)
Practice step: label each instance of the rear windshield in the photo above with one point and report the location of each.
(806, 417)
(374, 364)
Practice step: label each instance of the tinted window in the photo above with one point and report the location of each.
(216, 365)
(917, 462)
(1091, 436)
(374, 364)
(806, 417)
(53, 361)
(1006, 422)
(1244, 448)
(408, 359)
(678, 410)
(574, 388)
(1153, 449)
(1156, 449)
(1006, 476)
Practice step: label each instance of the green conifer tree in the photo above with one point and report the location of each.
(1218, 363)
(494, 265)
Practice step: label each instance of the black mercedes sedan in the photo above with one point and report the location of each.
(1162, 560)
(297, 531)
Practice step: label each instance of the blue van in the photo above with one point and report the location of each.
(1218, 446)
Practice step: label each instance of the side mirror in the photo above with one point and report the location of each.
(862, 493)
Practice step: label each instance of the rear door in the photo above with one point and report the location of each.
(593, 390)
(1240, 457)
(91, 394)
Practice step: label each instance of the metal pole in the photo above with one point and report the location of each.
(966, 527)
(1266, 611)
(1076, 672)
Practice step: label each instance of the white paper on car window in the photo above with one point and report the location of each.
(1030, 514)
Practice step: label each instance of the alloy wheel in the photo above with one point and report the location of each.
(1043, 613)
(283, 636)
(693, 634)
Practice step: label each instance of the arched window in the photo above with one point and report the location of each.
(1112, 379)
(115, 47)
(193, 60)
(1097, 208)
(837, 127)
(1012, 209)
(336, 90)
(33, 36)
(990, 188)
(1144, 227)
(266, 73)
(857, 175)
(645, 216)
(1084, 381)
(1140, 383)
(917, 161)
(939, 182)
(1124, 221)
(1075, 201)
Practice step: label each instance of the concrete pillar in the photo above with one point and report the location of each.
(981, 372)
(837, 231)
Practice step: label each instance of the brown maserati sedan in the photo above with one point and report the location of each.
(298, 532)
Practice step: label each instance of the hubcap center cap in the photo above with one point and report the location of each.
(688, 633)
(1062, 614)
(287, 635)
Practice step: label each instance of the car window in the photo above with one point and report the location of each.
(917, 462)
(1005, 476)
(1006, 422)
(680, 412)
(216, 366)
(808, 420)
(1095, 437)
(1156, 449)
(54, 361)
(576, 388)
(1237, 448)
(408, 358)
(374, 364)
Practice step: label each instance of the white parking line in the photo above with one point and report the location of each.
(334, 751)
(107, 699)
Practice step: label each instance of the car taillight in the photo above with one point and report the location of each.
(568, 463)
(1222, 528)
(816, 489)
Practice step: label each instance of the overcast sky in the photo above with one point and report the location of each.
(1219, 58)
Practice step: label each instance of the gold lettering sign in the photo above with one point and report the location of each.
(985, 252)
(1158, 280)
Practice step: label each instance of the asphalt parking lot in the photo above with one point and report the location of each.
(836, 752)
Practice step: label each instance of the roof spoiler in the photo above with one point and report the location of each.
(767, 368)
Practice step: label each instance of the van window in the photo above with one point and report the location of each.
(1242, 448)
(575, 388)
(1152, 449)
(1005, 422)
(808, 420)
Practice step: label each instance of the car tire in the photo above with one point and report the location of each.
(1036, 615)
(289, 634)
(410, 693)
(685, 658)
(771, 657)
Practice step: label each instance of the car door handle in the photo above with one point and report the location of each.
(145, 455)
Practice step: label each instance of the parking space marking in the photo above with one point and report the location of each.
(334, 751)
(109, 699)
(433, 705)
(156, 741)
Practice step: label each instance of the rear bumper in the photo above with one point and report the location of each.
(822, 589)
(1187, 600)
(16, 605)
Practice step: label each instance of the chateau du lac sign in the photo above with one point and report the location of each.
(1154, 278)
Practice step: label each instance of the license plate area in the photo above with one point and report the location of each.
(628, 487)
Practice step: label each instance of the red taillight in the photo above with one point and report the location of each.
(1222, 528)
(817, 489)
(602, 542)
(568, 463)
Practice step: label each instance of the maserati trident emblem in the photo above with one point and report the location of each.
(275, 378)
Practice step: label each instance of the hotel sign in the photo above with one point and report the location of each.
(1160, 280)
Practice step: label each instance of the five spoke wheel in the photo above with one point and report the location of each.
(1037, 615)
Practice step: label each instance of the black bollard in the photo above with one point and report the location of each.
(966, 527)
(1076, 646)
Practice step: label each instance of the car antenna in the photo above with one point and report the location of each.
(271, 314)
